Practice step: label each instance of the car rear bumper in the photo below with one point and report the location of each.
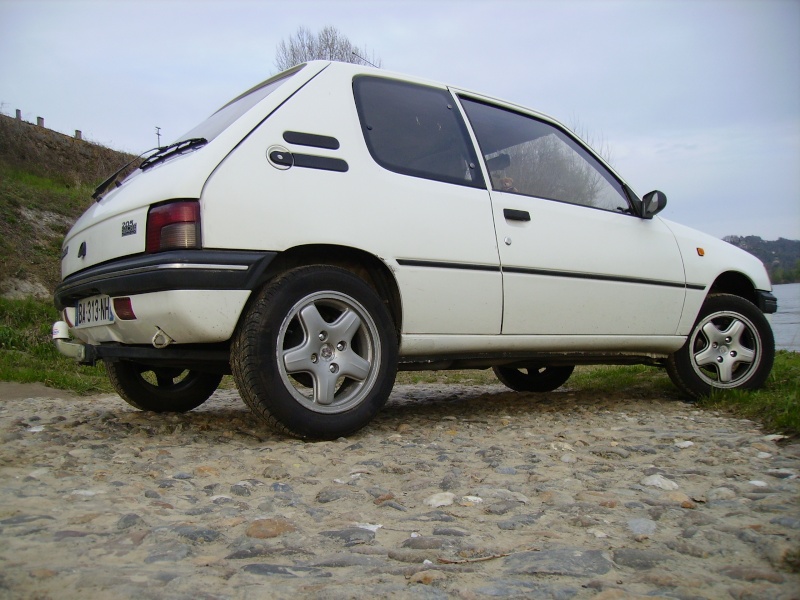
(166, 271)
(189, 301)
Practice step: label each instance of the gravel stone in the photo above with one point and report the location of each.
(453, 491)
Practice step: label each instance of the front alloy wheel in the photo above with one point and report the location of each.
(731, 346)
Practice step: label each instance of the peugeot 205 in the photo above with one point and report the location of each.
(337, 223)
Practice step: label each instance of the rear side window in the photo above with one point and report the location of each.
(225, 116)
(415, 130)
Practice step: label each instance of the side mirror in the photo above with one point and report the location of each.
(652, 204)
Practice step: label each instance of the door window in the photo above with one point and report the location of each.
(528, 156)
(415, 130)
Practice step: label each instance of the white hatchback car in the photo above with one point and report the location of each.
(337, 223)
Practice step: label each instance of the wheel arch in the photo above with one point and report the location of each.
(735, 283)
(367, 266)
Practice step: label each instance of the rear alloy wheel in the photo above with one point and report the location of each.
(731, 346)
(533, 378)
(161, 389)
(316, 354)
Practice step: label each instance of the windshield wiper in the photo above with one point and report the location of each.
(107, 183)
(160, 154)
(172, 150)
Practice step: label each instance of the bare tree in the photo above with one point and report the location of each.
(327, 44)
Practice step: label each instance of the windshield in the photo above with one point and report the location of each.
(222, 119)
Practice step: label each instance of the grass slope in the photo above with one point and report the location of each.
(46, 182)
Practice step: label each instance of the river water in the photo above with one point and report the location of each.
(786, 322)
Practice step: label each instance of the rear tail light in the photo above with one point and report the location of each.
(173, 226)
(124, 309)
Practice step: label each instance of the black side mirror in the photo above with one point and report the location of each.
(652, 204)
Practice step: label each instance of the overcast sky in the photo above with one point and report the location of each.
(697, 98)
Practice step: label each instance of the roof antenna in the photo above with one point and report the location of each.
(353, 52)
(158, 135)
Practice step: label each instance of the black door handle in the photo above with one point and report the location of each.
(516, 215)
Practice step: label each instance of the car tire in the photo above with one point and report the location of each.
(161, 389)
(731, 346)
(315, 355)
(533, 378)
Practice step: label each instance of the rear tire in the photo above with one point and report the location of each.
(161, 389)
(533, 378)
(315, 356)
(731, 346)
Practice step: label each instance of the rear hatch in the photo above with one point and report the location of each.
(116, 225)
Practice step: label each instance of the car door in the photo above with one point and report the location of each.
(575, 258)
(428, 189)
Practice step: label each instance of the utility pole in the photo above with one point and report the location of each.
(158, 135)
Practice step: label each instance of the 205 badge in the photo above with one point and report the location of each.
(128, 228)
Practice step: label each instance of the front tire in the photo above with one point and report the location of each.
(161, 389)
(315, 355)
(533, 378)
(731, 346)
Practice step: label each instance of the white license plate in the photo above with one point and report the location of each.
(94, 311)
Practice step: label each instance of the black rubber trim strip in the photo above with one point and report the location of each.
(446, 265)
(320, 162)
(175, 270)
(597, 277)
(526, 271)
(311, 139)
(308, 161)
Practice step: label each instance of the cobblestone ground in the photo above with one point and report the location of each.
(452, 492)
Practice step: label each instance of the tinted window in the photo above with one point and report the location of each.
(225, 116)
(528, 156)
(415, 130)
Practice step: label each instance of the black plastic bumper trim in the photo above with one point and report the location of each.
(176, 270)
(767, 302)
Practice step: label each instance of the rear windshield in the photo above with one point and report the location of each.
(225, 116)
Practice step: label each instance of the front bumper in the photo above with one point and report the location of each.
(766, 302)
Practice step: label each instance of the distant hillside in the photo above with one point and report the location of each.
(46, 182)
(781, 257)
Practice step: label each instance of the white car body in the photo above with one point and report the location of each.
(467, 285)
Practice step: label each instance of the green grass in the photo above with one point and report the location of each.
(777, 405)
(22, 188)
(27, 355)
